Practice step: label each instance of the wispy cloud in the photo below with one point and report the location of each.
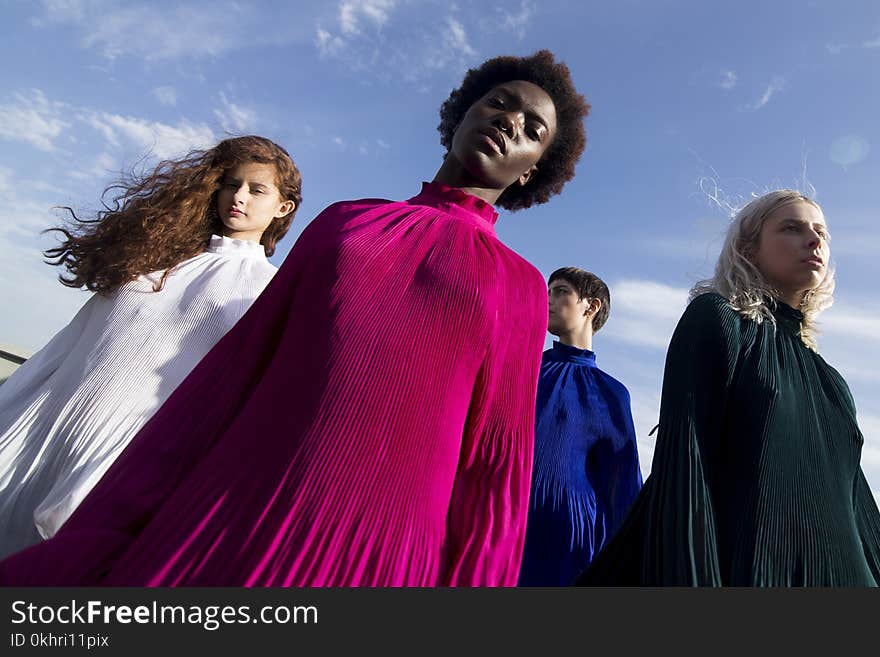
(517, 21)
(165, 95)
(30, 117)
(159, 139)
(235, 118)
(392, 41)
(353, 12)
(141, 30)
(455, 37)
(872, 43)
(33, 118)
(836, 48)
(776, 85)
(727, 79)
(851, 323)
(644, 313)
(849, 150)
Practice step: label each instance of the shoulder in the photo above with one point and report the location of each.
(710, 306)
(613, 384)
(355, 206)
(711, 314)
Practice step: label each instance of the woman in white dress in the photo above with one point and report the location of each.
(174, 264)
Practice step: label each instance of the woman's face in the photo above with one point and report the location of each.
(505, 133)
(793, 250)
(249, 200)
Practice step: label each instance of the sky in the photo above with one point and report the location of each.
(696, 106)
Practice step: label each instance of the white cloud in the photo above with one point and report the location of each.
(849, 150)
(165, 95)
(836, 48)
(234, 118)
(160, 139)
(456, 39)
(104, 164)
(645, 313)
(351, 12)
(851, 323)
(155, 33)
(872, 43)
(33, 119)
(517, 21)
(396, 41)
(727, 79)
(776, 85)
(61, 11)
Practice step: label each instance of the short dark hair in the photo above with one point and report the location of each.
(588, 286)
(557, 165)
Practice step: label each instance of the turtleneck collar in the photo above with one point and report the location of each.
(456, 202)
(564, 352)
(787, 318)
(245, 248)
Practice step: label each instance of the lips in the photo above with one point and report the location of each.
(497, 138)
(235, 212)
(815, 260)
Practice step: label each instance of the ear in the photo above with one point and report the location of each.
(592, 307)
(285, 209)
(527, 176)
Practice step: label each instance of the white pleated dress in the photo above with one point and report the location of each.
(68, 412)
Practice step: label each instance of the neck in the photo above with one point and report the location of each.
(246, 235)
(582, 339)
(793, 299)
(453, 174)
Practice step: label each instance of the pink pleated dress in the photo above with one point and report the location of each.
(368, 422)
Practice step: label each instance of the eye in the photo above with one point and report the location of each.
(496, 102)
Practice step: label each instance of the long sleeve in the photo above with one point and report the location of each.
(670, 537)
(126, 498)
(613, 467)
(36, 370)
(495, 469)
(868, 523)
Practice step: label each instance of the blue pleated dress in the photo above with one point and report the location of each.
(586, 467)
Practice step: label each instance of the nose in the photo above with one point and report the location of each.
(507, 123)
(240, 195)
(814, 239)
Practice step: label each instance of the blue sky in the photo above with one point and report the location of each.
(692, 101)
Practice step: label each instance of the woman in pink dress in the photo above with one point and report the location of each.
(370, 420)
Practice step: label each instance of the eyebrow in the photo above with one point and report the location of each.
(232, 179)
(813, 224)
(529, 111)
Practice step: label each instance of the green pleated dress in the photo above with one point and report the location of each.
(756, 478)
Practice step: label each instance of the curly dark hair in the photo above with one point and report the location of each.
(588, 286)
(156, 221)
(556, 167)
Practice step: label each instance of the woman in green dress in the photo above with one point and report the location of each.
(756, 478)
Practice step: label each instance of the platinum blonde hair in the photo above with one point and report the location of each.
(740, 281)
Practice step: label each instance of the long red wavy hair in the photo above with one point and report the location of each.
(158, 220)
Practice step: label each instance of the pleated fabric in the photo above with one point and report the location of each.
(756, 478)
(68, 412)
(586, 471)
(370, 421)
